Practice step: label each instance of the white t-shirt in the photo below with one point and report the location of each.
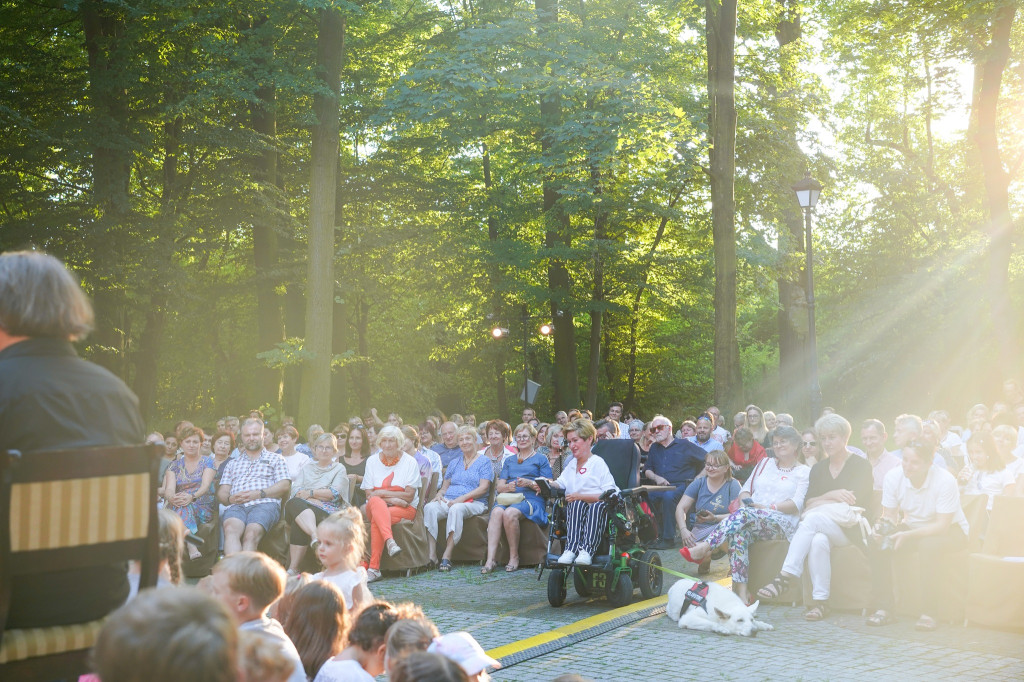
(295, 463)
(720, 434)
(406, 471)
(989, 483)
(272, 630)
(346, 581)
(593, 478)
(938, 495)
(342, 671)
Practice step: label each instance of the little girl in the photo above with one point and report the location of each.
(342, 542)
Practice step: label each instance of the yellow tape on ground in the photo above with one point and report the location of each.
(581, 625)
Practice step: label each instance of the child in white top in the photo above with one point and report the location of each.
(342, 540)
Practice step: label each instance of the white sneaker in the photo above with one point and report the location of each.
(584, 558)
(372, 575)
(393, 547)
(567, 557)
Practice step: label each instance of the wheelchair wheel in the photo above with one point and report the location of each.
(556, 587)
(579, 581)
(649, 578)
(622, 594)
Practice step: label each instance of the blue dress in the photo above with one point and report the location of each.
(534, 466)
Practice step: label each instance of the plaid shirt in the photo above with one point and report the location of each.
(244, 474)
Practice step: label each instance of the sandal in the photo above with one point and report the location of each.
(775, 589)
(879, 618)
(487, 568)
(512, 568)
(925, 624)
(444, 566)
(815, 613)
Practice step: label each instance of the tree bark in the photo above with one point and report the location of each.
(997, 184)
(111, 172)
(792, 316)
(598, 294)
(315, 400)
(721, 36)
(494, 274)
(557, 234)
(263, 114)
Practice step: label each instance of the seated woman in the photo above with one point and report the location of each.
(287, 438)
(320, 489)
(842, 477)
(498, 433)
(517, 473)
(391, 483)
(585, 479)
(413, 449)
(188, 485)
(985, 472)
(357, 451)
(745, 452)
(557, 454)
(706, 502)
(772, 499)
(810, 451)
(463, 494)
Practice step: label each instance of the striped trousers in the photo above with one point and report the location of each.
(585, 523)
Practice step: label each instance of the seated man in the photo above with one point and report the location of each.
(675, 462)
(923, 500)
(247, 583)
(705, 426)
(607, 429)
(873, 437)
(252, 485)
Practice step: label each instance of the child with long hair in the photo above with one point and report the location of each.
(318, 623)
(342, 543)
(172, 548)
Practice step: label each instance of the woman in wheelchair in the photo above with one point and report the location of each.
(584, 483)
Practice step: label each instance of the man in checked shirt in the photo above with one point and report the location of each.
(253, 486)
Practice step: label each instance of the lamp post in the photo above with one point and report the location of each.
(807, 192)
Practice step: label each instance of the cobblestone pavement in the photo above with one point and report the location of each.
(502, 608)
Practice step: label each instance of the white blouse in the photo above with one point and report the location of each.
(593, 478)
(768, 485)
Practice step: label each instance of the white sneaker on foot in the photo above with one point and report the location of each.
(567, 557)
(393, 547)
(584, 558)
(372, 575)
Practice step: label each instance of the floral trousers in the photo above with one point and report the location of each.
(744, 526)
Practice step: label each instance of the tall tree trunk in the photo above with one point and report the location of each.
(792, 314)
(151, 339)
(263, 113)
(295, 327)
(557, 234)
(339, 379)
(494, 274)
(362, 369)
(997, 184)
(597, 296)
(315, 400)
(111, 171)
(721, 37)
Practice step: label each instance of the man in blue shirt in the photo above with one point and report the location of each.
(671, 462)
(448, 448)
(705, 426)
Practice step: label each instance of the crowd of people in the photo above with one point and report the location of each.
(720, 488)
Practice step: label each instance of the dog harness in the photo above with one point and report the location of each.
(697, 594)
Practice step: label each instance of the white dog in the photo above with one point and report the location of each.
(712, 608)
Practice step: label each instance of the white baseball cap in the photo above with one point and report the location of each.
(464, 650)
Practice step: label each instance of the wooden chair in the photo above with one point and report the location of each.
(66, 510)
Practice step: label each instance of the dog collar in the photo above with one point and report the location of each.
(697, 594)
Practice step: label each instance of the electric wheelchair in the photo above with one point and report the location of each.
(622, 561)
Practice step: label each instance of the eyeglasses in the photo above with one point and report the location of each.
(659, 427)
(712, 465)
(324, 448)
(810, 444)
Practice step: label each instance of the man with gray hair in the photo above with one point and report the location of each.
(52, 399)
(670, 462)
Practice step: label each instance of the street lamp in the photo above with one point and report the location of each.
(545, 329)
(807, 192)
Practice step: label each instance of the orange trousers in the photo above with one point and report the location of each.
(381, 517)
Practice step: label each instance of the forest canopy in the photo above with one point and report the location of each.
(319, 206)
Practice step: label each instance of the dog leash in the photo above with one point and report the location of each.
(667, 570)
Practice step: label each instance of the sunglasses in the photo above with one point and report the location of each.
(659, 427)
(810, 444)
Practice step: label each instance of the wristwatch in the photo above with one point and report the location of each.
(263, 494)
